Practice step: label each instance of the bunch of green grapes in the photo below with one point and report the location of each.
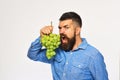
(51, 42)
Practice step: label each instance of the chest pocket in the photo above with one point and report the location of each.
(78, 68)
(80, 71)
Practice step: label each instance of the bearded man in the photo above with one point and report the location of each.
(75, 59)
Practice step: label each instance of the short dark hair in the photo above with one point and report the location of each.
(71, 15)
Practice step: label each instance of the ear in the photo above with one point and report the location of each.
(78, 30)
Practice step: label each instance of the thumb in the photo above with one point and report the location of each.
(51, 28)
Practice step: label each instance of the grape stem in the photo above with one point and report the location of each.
(51, 23)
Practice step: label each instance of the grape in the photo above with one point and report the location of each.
(51, 42)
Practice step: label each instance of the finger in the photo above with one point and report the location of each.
(51, 28)
(41, 33)
(46, 31)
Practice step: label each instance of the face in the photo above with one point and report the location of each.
(67, 34)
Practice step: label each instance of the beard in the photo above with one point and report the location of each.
(70, 43)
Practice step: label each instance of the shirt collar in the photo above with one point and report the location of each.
(83, 45)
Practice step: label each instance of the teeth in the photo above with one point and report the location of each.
(63, 36)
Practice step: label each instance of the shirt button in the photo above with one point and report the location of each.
(66, 62)
(79, 66)
(71, 53)
(64, 74)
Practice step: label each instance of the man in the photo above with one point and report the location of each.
(75, 59)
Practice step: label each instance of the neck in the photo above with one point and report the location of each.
(77, 43)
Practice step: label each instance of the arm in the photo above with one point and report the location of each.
(36, 52)
(98, 68)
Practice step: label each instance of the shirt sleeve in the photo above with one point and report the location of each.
(36, 52)
(98, 68)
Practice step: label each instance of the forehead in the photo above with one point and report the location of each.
(65, 22)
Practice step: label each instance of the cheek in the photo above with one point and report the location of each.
(71, 35)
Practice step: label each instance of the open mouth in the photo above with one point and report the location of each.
(63, 39)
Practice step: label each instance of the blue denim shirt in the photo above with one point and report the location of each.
(84, 63)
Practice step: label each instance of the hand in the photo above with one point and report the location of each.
(46, 30)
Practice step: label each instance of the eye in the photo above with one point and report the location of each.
(59, 27)
(67, 27)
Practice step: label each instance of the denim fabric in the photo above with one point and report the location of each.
(84, 63)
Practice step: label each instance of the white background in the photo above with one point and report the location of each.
(21, 20)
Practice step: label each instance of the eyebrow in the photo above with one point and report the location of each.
(63, 26)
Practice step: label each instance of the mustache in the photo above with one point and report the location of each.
(61, 35)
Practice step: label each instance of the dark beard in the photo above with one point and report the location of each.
(68, 46)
